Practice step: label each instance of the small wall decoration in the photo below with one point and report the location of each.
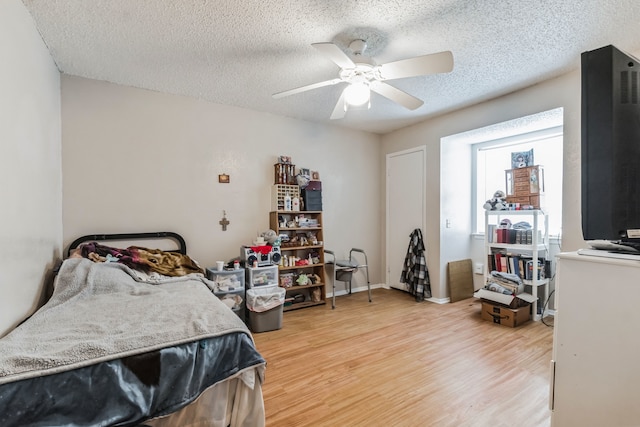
(522, 159)
(315, 175)
(224, 221)
(223, 178)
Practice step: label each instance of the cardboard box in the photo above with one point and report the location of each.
(512, 301)
(506, 316)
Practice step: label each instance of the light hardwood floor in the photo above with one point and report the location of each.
(396, 362)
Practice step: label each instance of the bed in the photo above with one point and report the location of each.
(120, 344)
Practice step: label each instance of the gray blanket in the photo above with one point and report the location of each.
(101, 312)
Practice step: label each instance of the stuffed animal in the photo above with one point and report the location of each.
(314, 278)
(302, 180)
(497, 202)
(269, 236)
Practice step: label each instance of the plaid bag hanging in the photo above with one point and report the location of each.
(415, 273)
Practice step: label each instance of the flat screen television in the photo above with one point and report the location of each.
(610, 145)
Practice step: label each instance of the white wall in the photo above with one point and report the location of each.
(137, 160)
(30, 165)
(560, 92)
(455, 192)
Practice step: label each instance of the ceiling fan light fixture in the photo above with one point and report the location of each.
(357, 94)
(362, 75)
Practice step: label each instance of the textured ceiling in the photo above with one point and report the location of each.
(240, 52)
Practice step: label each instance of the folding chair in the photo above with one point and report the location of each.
(343, 270)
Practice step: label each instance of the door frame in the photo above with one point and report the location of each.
(422, 150)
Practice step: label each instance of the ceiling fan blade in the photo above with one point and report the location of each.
(335, 54)
(434, 63)
(396, 95)
(305, 88)
(340, 109)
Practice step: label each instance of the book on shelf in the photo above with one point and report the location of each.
(519, 264)
(547, 269)
(495, 234)
(491, 233)
(510, 235)
(491, 262)
(504, 264)
(516, 265)
(539, 269)
(506, 235)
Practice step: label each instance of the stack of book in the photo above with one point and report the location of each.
(518, 264)
(513, 236)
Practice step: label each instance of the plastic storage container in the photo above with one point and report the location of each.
(228, 285)
(261, 276)
(265, 306)
(226, 280)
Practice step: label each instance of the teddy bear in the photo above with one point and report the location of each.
(497, 202)
(314, 278)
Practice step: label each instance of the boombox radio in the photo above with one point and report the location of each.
(262, 255)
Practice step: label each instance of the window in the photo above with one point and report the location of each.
(493, 159)
(493, 156)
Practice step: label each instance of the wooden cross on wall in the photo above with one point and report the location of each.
(224, 221)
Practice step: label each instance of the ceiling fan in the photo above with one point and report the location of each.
(364, 76)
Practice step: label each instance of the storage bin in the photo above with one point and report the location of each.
(232, 299)
(261, 276)
(312, 200)
(226, 280)
(228, 286)
(269, 320)
(265, 298)
(265, 306)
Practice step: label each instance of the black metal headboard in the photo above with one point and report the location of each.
(182, 246)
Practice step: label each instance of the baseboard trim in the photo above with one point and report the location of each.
(432, 299)
(384, 286)
(439, 300)
(353, 290)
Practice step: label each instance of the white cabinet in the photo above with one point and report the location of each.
(595, 374)
(522, 253)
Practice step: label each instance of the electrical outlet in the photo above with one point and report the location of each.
(478, 268)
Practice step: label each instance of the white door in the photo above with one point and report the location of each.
(406, 205)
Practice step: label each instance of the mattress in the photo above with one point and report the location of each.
(110, 348)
